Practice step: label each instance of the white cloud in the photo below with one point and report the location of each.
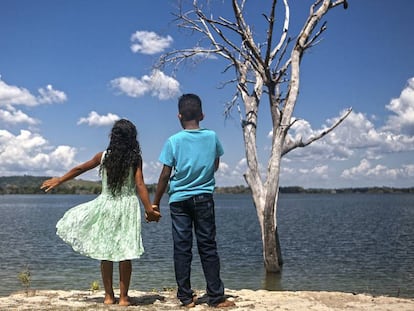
(30, 153)
(11, 95)
(242, 165)
(223, 167)
(229, 175)
(65, 154)
(321, 170)
(163, 86)
(50, 95)
(328, 147)
(402, 121)
(131, 86)
(157, 84)
(365, 170)
(94, 119)
(357, 140)
(14, 95)
(304, 176)
(27, 152)
(363, 166)
(13, 116)
(151, 171)
(354, 135)
(148, 42)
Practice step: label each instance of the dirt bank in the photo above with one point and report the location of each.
(259, 300)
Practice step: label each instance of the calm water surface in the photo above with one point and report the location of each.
(332, 242)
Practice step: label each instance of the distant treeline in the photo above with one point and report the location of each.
(31, 185)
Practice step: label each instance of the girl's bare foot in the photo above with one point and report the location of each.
(109, 299)
(124, 301)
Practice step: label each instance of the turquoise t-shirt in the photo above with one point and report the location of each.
(191, 153)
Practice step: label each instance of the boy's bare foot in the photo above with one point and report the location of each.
(124, 301)
(191, 304)
(225, 304)
(109, 299)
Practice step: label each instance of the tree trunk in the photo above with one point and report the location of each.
(270, 247)
(272, 255)
(266, 207)
(265, 195)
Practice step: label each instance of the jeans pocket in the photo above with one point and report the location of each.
(205, 209)
(203, 198)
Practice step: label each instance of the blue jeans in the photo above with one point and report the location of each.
(197, 211)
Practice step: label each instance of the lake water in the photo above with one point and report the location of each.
(331, 242)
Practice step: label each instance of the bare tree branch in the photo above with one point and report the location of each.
(289, 146)
(297, 53)
(271, 23)
(311, 41)
(247, 36)
(284, 32)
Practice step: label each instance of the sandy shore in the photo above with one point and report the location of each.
(259, 300)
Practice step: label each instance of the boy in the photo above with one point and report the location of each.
(194, 154)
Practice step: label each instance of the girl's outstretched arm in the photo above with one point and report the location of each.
(51, 183)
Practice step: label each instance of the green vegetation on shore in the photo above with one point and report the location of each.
(31, 185)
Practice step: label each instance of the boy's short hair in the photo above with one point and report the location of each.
(189, 106)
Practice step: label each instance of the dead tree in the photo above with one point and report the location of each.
(271, 68)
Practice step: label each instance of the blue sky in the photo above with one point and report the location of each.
(68, 69)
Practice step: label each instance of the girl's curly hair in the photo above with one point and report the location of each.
(123, 153)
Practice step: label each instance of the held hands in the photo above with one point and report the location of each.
(153, 214)
(51, 183)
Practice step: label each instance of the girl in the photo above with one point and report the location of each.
(108, 228)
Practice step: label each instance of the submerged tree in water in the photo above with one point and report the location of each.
(269, 67)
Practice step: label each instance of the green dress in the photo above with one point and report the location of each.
(106, 228)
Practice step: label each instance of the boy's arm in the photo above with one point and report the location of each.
(216, 164)
(162, 184)
(74, 172)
